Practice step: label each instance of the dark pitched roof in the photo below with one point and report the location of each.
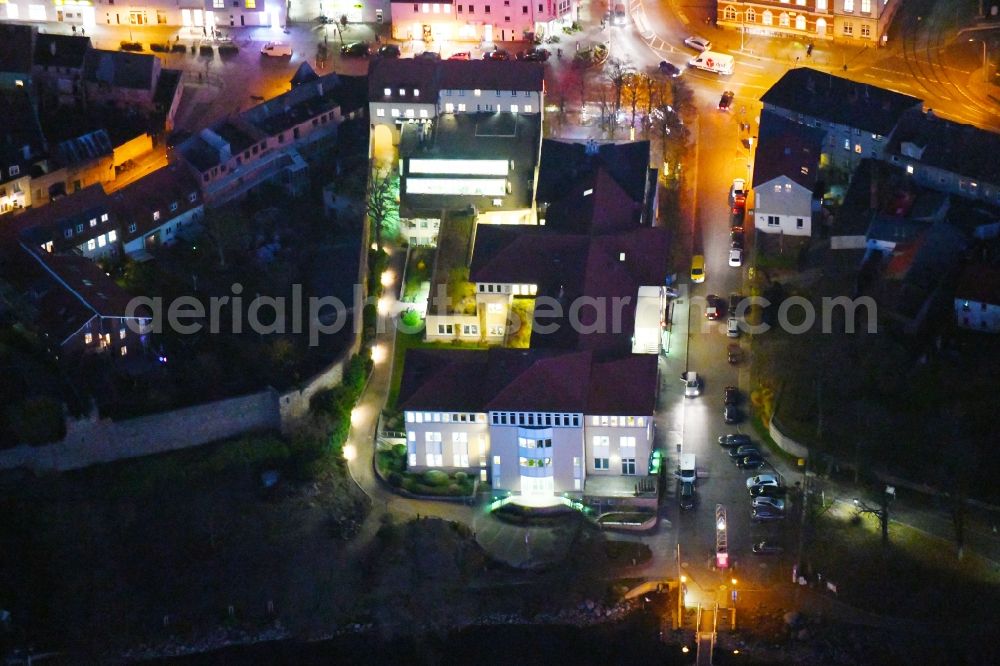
(120, 69)
(155, 192)
(842, 101)
(21, 137)
(49, 223)
(61, 50)
(787, 148)
(597, 204)
(304, 74)
(979, 283)
(86, 147)
(430, 77)
(564, 164)
(16, 47)
(514, 254)
(960, 149)
(528, 380)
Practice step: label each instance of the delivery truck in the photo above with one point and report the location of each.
(720, 63)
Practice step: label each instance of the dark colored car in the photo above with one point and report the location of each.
(669, 69)
(732, 395)
(686, 495)
(713, 307)
(735, 440)
(736, 237)
(389, 51)
(726, 100)
(767, 548)
(428, 55)
(735, 354)
(734, 303)
(777, 492)
(534, 55)
(762, 514)
(355, 50)
(731, 413)
(496, 54)
(744, 451)
(750, 462)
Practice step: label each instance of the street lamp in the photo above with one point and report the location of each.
(986, 69)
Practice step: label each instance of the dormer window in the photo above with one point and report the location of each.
(387, 91)
(402, 92)
(416, 93)
(193, 197)
(131, 228)
(104, 217)
(477, 92)
(93, 221)
(14, 170)
(173, 206)
(156, 215)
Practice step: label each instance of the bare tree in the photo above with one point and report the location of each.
(617, 71)
(381, 204)
(632, 85)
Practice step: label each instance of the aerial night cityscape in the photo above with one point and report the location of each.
(499, 332)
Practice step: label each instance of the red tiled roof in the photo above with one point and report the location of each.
(156, 191)
(39, 225)
(430, 77)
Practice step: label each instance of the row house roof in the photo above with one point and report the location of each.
(16, 47)
(528, 380)
(68, 51)
(431, 77)
(153, 199)
(564, 165)
(66, 222)
(787, 148)
(954, 147)
(816, 94)
(121, 69)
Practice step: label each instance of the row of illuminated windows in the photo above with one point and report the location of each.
(628, 465)
(103, 338)
(516, 289)
(535, 419)
(102, 240)
(615, 421)
(460, 92)
(528, 443)
(964, 184)
(68, 231)
(221, 4)
(444, 417)
(775, 221)
(407, 113)
(431, 8)
(514, 108)
(434, 450)
(468, 329)
(402, 92)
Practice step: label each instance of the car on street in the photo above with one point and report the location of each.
(735, 439)
(535, 54)
(428, 55)
(734, 353)
(685, 495)
(731, 414)
(732, 327)
(763, 514)
(734, 302)
(726, 101)
(461, 55)
(388, 51)
(735, 257)
(767, 548)
(497, 54)
(692, 384)
(276, 49)
(698, 268)
(768, 502)
(736, 237)
(355, 50)
(751, 462)
(768, 491)
(743, 451)
(713, 307)
(670, 69)
(738, 200)
(763, 480)
(731, 395)
(699, 44)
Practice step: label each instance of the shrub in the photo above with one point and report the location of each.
(178, 48)
(410, 485)
(228, 50)
(461, 477)
(395, 479)
(206, 50)
(454, 488)
(435, 477)
(411, 318)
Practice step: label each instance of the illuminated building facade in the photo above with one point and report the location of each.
(486, 21)
(849, 21)
(136, 13)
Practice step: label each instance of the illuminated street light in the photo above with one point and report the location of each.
(378, 354)
(387, 278)
(685, 649)
(721, 524)
(383, 306)
(733, 581)
(355, 416)
(350, 453)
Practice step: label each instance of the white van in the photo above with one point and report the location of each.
(686, 470)
(276, 49)
(720, 63)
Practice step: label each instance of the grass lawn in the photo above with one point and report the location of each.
(919, 576)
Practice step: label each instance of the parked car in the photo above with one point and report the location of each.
(388, 51)
(692, 384)
(732, 327)
(731, 395)
(762, 514)
(276, 49)
(768, 491)
(698, 268)
(732, 414)
(734, 353)
(738, 195)
(433, 56)
(496, 54)
(751, 462)
(734, 302)
(461, 55)
(713, 307)
(743, 451)
(768, 502)
(763, 480)
(536, 54)
(686, 495)
(670, 69)
(698, 43)
(736, 237)
(735, 439)
(355, 50)
(767, 548)
(735, 257)
(726, 101)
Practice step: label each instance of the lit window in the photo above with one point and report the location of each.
(102, 241)
(112, 236)
(527, 108)
(87, 338)
(423, 113)
(121, 333)
(395, 113)
(857, 148)
(251, 4)
(425, 8)
(93, 221)
(402, 92)
(449, 108)
(380, 113)
(447, 9)
(156, 215)
(410, 113)
(416, 93)
(848, 5)
(461, 107)
(104, 217)
(513, 108)
(387, 91)
(477, 92)
(124, 349)
(909, 168)
(437, 8)
(91, 244)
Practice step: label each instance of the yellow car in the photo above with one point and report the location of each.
(698, 268)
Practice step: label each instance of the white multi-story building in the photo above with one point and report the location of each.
(534, 423)
(188, 13)
(850, 21)
(486, 21)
